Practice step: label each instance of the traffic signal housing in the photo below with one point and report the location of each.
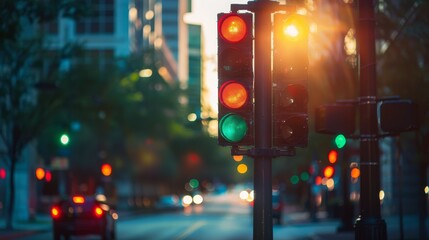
(290, 93)
(336, 118)
(397, 115)
(235, 79)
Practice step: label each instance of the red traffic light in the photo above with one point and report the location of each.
(232, 28)
(106, 169)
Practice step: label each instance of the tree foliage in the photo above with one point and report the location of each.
(23, 111)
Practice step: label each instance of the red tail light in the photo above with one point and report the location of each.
(55, 212)
(98, 211)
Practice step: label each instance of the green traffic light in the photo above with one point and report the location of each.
(194, 183)
(64, 139)
(233, 127)
(340, 141)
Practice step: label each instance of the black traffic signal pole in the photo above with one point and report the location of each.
(369, 225)
(262, 216)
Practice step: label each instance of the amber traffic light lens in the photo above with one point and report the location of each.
(233, 95)
(233, 28)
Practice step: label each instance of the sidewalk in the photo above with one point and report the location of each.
(326, 228)
(42, 223)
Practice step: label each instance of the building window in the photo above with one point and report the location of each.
(102, 58)
(100, 20)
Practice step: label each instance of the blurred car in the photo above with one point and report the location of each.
(277, 207)
(83, 215)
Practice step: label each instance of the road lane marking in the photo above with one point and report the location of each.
(194, 227)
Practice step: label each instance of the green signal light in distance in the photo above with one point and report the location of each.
(340, 141)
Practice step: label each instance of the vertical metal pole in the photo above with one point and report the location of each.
(369, 225)
(262, 215)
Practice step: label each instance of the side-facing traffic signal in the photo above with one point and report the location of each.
(290, 94)
(235, 73)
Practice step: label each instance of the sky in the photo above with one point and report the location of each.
(204, 12)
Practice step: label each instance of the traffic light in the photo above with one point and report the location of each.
(64, 139)
(398, 115)
(290, 94)
(336, 118)
(106, 169)
(340, 141)
(235, 79)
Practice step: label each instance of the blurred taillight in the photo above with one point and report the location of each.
(98, 211)
(55, 212)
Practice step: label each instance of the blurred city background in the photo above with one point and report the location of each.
(119, 98)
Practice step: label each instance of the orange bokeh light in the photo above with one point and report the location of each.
(328, 172)
(78, 199)
(355, 172)
(106, 169)
(333, 156)
(40, 173)
(237, 158)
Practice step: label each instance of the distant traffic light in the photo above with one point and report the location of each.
(64, 139)
(106, 169)
(290, 94)
(235, 73)
(340, 141)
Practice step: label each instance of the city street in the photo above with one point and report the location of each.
(221, 217)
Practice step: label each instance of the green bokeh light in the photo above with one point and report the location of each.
(294, 179)
(340, 141)
(64, 139)
(305, 176)
(194, 183)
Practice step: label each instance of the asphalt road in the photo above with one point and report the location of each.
(219, 218)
